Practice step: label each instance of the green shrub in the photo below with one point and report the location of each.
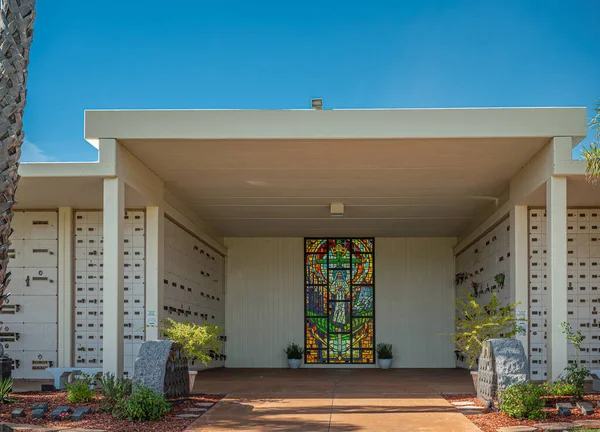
(384, 351)
(197, 341)
(294, 351)
(574, 373)
(560, 388)
(476, 323)
(142, 405)
(79, 391)
(6, 387)
(113, 390)
(523, 401)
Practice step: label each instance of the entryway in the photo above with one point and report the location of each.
(334, 400)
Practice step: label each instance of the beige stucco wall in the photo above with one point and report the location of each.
(414, 296)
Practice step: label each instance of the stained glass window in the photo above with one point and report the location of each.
(339, 300)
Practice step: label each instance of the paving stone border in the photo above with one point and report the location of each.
(557, 426)
(517, 429)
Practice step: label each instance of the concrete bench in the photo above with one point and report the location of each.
(61, 375)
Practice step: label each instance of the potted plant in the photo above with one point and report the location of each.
(197, 341)
(384, 355)
(476, 323)
(294, 354)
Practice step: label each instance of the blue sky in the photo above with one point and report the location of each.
(272, 55)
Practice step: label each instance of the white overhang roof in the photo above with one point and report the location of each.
(423, 172)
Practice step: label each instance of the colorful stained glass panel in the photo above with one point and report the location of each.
(316, 356)
(316, 333)
(339, 285)
(339, 316)
(362, 245)
(316, 269)
(362, 300)
(339, 254)
(316, 301)
(339, 348)
(316, 245)
(362, 333)
(339, 296)
(362, 268)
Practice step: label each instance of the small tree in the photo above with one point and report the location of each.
(197, 341)
(575, 373)
(475, 324)
(592, 153)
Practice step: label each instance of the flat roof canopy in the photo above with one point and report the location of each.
(399, 172)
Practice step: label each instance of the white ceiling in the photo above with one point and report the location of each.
(410, 187)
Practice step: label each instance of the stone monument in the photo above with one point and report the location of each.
(502, 363)
(161, 366)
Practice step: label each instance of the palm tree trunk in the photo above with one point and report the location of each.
(16, 34)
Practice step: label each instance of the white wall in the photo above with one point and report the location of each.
(482, 261)
(414, 296)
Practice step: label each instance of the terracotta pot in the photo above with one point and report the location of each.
(475, 376)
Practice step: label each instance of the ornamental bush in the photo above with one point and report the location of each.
(197, 341)
(79, 391)
(523, 401)
(142, 405)
(560, 388)
(476, 323)
(113, 390)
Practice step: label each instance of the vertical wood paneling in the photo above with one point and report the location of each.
(265, 300)
(414, 299)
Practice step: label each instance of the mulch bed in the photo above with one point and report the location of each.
(491, 421)
(98, 419)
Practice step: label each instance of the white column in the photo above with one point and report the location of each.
(519, 269)
(114, 213)
(556, 245)
(155, 245)
(65, 286)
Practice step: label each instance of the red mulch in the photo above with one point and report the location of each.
(98, 419)
(490, 421)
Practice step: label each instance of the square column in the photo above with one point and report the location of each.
(65, 287)
(519, 269)
(155, 246)
(556, 244)
(114, 213)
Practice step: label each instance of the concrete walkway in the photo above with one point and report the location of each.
(317, 400)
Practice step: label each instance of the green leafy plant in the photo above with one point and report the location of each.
(523, 401)
(575, 374)
(113, 390)
(294, 351)
(592, 153)
(475, 324)
(79, 391)
(197, 341)
(142, 405)
(499, 279)
(6, 387)
(384, 351)
(559, 388)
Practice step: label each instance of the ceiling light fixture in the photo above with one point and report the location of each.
(337, 209)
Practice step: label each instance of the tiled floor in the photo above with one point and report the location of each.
(334, 400)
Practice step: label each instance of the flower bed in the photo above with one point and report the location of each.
(98, 419)
(490, 421)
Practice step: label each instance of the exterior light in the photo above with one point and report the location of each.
(337, 209)
(317, 103)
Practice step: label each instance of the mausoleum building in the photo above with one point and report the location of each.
(334, 229)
